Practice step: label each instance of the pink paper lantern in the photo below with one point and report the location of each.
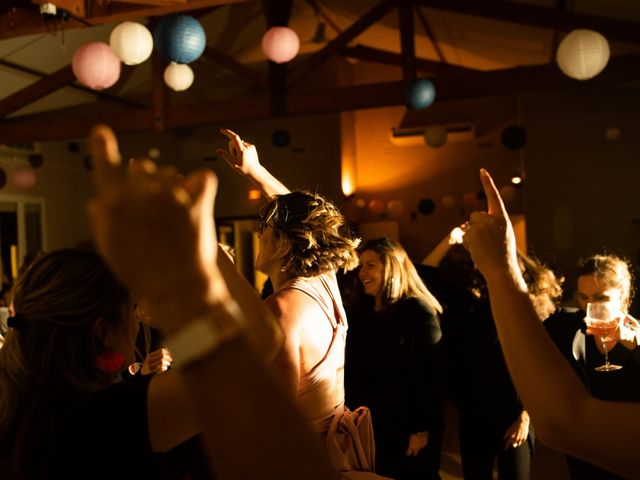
(23, 178)
(96, 66)
(376, 206)
(280, 44)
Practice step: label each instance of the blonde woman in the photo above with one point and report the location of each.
(395, 361)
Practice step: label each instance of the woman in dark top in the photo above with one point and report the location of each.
(494, 427)
(63, 411)
(601, 278)
(392, 362)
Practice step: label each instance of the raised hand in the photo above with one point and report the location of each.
(155, 229)
(489, 236)
(241, 155)
(157, 361)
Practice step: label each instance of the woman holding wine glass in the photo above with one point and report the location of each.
(603, 281)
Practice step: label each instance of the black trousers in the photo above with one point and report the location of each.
(392, 461)
(482, 445)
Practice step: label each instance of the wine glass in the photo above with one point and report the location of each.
(602, 319)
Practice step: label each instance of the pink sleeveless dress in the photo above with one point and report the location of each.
(348, 435)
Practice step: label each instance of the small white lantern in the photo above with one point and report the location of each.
(131, 42)
(583, 54)
(178, 76)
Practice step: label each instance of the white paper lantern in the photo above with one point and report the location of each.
(583, 54)
(178, 77)
(131, 42)
(435, 136)
(448, 201)
(395, 208)
(280, 44)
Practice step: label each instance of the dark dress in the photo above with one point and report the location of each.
(475, 375)
(567, 329)
(103, 435)
(479, 384)
(392, 368)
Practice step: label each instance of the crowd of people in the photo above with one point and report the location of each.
(152, 357)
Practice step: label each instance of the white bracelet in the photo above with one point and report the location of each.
(202, 336)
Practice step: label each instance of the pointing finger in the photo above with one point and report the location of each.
(106, 157)
(495, 206)
(231, 135)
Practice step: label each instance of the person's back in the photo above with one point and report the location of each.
(304, 241)
(322, 326)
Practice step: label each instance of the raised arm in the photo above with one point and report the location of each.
(436, 255)
(157, 233)
(565, 415)
(243, 157)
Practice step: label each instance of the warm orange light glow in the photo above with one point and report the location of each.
(348, 183)
(516, 180)
(348, 154)
(254, 194)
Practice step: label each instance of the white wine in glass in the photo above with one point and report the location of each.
(603, 319)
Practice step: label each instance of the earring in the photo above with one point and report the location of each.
(110, 362)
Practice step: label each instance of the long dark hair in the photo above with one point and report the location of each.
(49, 353)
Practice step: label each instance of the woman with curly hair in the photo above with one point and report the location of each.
(303, 243)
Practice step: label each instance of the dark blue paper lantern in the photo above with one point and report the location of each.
(281, 138)
(426, 206)
(35, 160)
(179, 38)
(514, 137)
(420, 94)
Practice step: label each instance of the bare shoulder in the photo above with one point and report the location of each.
(289, 306)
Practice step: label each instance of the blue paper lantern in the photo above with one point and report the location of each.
(179, 38)
(420, 94)
(514, 137)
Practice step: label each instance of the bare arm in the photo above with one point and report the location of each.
(251, 427)
(564, 414)
(243, 157)
(436, 255)
(287, 361)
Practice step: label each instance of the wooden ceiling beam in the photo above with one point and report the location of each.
(543, 17)
(152, 2)
(277, 13)
(107, 97)
(430, 35)
(428, 67)
(301, 70)
(21, 21)
(75, 7)
(77, 122)
(36, 91)
(239, 69)
(159, 93)
(407, 42)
